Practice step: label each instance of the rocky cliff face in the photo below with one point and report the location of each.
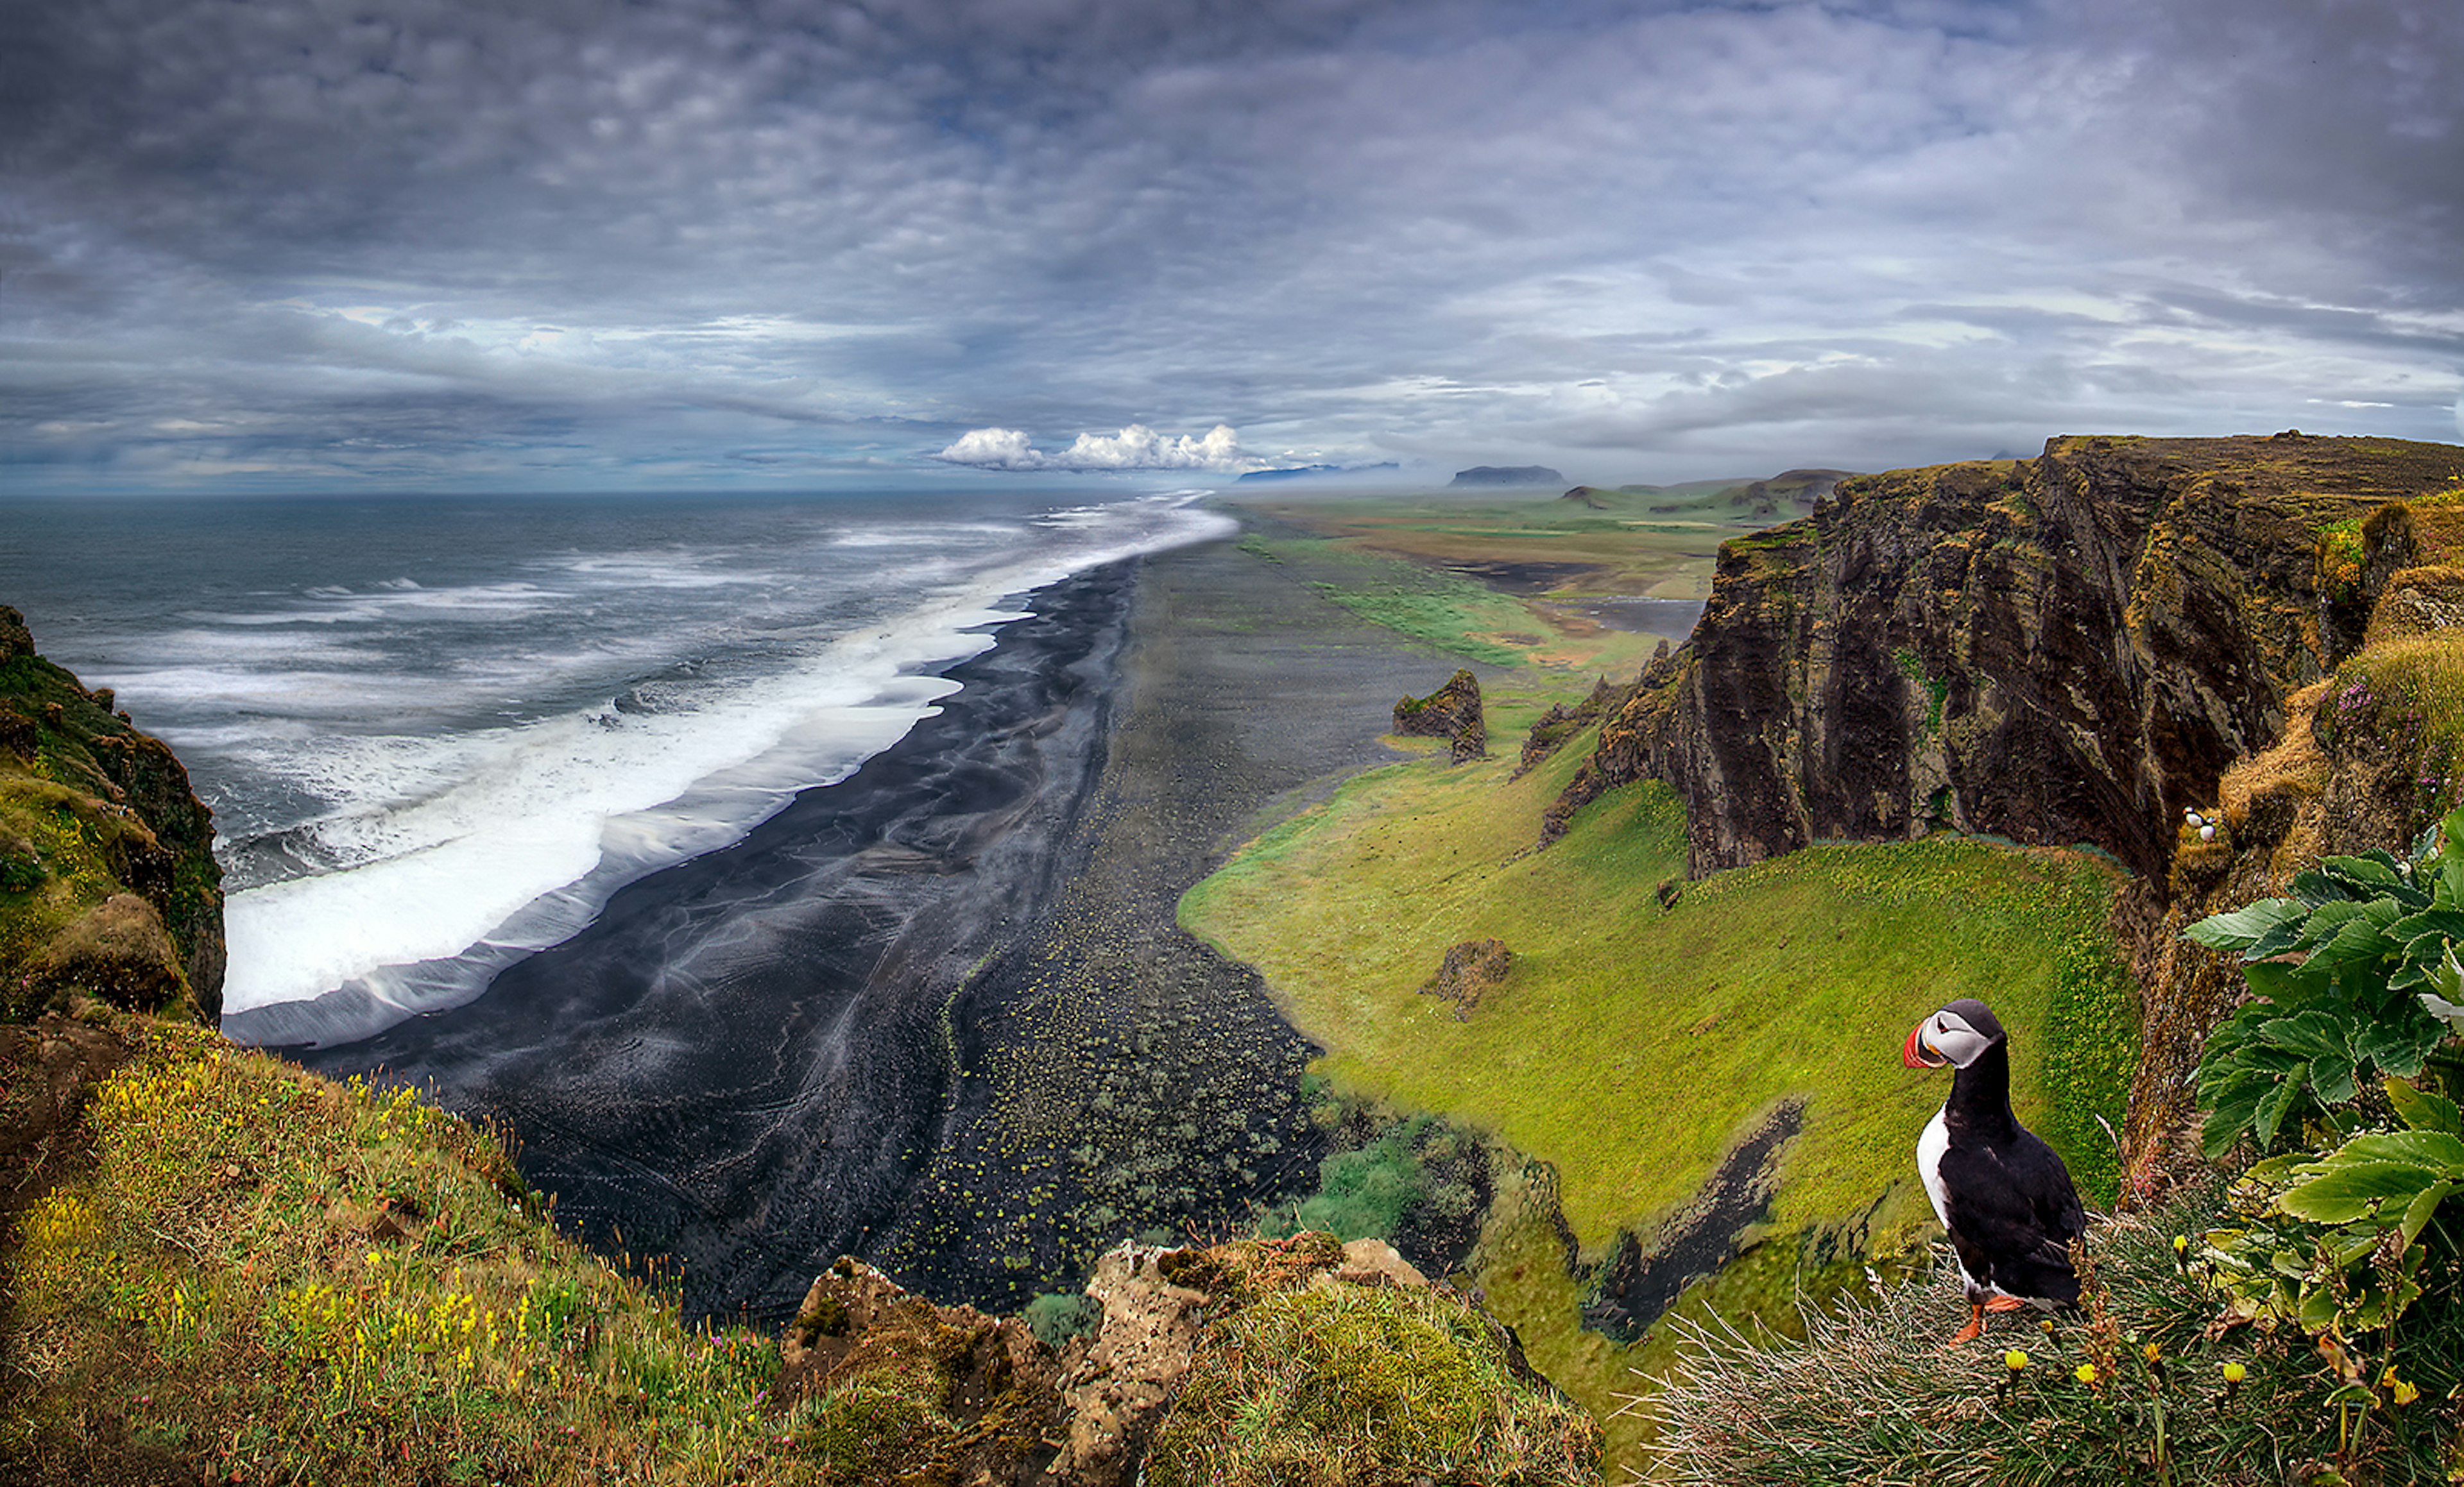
(108, 884)
(2070, 649)
(2064, 650)
(1452, 712)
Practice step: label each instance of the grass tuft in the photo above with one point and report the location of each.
(2172, 1391)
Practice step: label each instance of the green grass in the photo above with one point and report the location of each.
(1631, 1045)
(279, 1277)
(1441, 609)
(1873, 1396)
(1669, 557)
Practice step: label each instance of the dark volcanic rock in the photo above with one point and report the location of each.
(1452, 712)
(1561, 722)
(1508, 475)
(2066, 650)
(1470, 970)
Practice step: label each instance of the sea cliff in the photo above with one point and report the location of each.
(2076, 648)
(108, 884)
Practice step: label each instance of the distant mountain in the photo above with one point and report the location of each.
(1507, 476)
(1788, 493)
(1313, 471)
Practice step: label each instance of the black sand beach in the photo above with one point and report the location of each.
(939, 1015)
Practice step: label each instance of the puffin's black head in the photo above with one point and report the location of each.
(1956, 1034)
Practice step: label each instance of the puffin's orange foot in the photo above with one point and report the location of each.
(2006, 1304)
(1974, 1329)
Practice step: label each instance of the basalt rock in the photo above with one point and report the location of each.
(2060, 650)
(1469, 972)
(1561, 723)
(1452, 712)
(108, 884)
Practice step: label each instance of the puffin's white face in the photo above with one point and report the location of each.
(1945, 1038)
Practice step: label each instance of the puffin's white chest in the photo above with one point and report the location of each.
(1930, 1148)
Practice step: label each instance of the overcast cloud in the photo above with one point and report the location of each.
(453, 243)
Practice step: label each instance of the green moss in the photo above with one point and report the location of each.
(1359, 1384)
(1912, 666)
(859, 1430)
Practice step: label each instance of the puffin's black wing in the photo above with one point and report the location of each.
(2012, 1215)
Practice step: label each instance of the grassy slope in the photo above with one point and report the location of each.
(275, 1278)
(1631, 1045)
(273, 1275)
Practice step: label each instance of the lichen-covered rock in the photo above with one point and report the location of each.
(1452, 712)
(1469, 972)
(92, 811)
(1141, 1356)
(913, 1392)
(1369, 1375)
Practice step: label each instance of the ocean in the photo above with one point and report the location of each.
(439, 733)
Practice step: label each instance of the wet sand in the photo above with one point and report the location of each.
(938, 1014)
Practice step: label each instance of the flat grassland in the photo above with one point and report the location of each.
(1657, 545)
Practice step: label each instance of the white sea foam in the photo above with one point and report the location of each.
(448, 854)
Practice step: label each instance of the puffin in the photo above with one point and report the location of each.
(2003, 1195)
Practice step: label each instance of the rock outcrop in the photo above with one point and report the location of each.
(1561, 722)
(2074, 650)
(1470, 970)
(2065, 649)
(107, 873)
(917, 1391)
(1452, 712)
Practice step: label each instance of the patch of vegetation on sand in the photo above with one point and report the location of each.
(1634, 1044)
(1640, 542)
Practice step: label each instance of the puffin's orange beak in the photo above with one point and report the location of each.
(1919, 1053)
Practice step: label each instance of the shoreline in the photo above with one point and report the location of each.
(821, 1039)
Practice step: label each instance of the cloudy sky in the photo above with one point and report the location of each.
(461, 243)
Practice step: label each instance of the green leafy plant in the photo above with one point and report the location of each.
(2353, 979)
(2337, 1241)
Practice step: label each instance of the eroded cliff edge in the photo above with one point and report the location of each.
(107, 871)
(2068, 649)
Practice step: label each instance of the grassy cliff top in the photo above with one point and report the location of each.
(108, 884)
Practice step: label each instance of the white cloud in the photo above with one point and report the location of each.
(1134, 447)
